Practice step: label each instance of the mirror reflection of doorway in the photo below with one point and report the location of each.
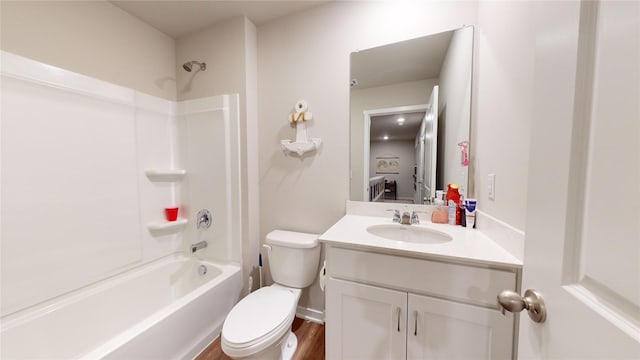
(400, 151)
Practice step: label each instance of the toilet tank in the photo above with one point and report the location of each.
(294, 258)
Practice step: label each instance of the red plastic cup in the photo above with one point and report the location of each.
(171, 213)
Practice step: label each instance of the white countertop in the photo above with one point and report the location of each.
(468, 245)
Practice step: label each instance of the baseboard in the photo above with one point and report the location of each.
(312, 315)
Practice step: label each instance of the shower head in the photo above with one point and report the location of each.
(189, 65)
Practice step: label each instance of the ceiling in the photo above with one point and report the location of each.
(387, 125)
(177, 18)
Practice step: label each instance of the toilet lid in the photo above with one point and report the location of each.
(259, 315)
(292, 239)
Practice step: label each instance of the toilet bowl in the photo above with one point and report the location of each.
(260, 321)
(259, 326)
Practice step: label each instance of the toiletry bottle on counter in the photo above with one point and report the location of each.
(470, 212)
(453, 209)
(440, 213)
(460, 209)
(453, 193)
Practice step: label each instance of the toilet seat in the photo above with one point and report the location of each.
(259, 320)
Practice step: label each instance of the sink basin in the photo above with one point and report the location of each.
(408, 233)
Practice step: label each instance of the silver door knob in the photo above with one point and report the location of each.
(531, 301)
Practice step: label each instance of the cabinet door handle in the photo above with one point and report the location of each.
(415, 324)
(398, 310)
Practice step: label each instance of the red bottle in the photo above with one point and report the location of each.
(452, 194)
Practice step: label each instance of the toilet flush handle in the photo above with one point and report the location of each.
(268, 247)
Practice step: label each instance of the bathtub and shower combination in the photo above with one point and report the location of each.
(93, 279)
(170, 309)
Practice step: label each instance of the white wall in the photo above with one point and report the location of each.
(229, 49)
(93, 38)
(208, 149)
(406, 151)
(307, 57)
(455, 100)
(222, 47)
(502, 106)
(251, 197)
(380, 97)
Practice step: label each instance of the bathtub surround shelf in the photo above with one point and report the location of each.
(167, 226)
(170, 175)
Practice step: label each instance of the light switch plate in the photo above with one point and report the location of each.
(491, 187)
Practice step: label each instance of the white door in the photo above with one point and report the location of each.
(418, 193)
(426, 148)
(582, 249)
(431, 146)
(365, 322)
(441, 329)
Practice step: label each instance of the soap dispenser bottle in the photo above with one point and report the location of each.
(439, 214)
(439, 201)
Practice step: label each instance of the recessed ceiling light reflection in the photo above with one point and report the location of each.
(386, 137)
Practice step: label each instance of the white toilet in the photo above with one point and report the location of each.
(259, 326)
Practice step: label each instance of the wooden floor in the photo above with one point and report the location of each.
(310, 343)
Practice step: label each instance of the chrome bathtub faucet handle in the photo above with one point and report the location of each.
(204, 219)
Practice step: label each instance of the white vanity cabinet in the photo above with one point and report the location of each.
(364, 322)
(443, 329)
(381, 306)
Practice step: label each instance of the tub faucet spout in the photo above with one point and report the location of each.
(198, 246)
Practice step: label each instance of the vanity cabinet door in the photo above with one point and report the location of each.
(364, 322)
(440, 329)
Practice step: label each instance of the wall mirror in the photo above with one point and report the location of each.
(410, 117)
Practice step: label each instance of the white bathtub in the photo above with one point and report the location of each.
(164, 310)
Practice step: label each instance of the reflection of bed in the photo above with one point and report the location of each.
(376, 188)
(390, 189)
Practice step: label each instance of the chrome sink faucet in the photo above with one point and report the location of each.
(198, 246)
(406, 218)
(415, 219)
(396, 215)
